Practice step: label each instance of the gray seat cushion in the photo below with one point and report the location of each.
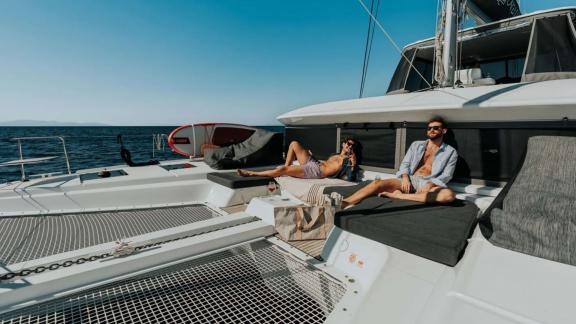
(234, 181)
(435, 232)
(537, 211)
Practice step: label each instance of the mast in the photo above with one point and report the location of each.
(482, 11)
(449, 54)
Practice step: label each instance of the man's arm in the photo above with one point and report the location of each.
(446, 175)
(404, 170)
(405, 165)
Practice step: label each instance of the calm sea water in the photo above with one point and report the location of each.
(88, 147)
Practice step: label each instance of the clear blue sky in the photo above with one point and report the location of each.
(170, 62)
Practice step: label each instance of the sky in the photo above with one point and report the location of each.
(173, 62)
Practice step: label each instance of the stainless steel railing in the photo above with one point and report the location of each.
(20, 139)
(159, 142)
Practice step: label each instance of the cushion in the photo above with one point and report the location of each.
(262, 148)
(234, 181)
(435, 232)
(309, 190)
(536, 215)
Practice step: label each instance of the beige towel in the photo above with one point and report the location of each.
(309, 190)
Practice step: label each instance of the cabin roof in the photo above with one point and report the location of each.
(518, 20)
(552, 99)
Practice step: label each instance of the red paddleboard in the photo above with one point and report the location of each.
(188, 140)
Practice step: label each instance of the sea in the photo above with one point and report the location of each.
(87, 147)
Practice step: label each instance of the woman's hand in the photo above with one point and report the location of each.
(352, 158)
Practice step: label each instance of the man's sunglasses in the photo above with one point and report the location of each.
(350, 143)
(434, 128)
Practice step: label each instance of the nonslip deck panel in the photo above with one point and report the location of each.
(24, 238)
(252, 283)
(233, 181)
(435, 232)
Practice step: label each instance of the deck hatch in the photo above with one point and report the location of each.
(24, 238)
(253, 283)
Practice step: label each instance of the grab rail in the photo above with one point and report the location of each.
(159, 144)
(20, 139)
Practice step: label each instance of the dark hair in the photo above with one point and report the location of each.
(437, 119)
(356, 148)
(346, 139)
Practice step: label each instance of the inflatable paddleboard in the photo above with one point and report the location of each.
(189, 140)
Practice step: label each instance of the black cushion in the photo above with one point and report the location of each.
(435, 232)
(234, 181)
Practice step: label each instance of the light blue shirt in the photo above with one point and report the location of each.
(442, 167)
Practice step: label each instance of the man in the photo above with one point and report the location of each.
(424, 173)
(343, 164)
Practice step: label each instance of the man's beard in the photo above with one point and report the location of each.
(435, 136)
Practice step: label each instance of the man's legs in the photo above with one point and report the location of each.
(438, 195)
(296, 152)
(374, 188)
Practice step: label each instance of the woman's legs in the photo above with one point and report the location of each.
(292, 170)
(296, 152)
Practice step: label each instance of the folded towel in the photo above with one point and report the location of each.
(309, 190)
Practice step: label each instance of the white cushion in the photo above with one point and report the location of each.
(468, 76)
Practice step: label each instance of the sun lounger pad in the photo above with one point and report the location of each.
(435, 232)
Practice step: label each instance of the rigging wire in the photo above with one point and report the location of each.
(460, 44)
(435, 60)
(368, 46)
(439, 72)
(457, 82)
(393, 42)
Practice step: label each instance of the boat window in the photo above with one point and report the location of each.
(102, 175)
(320, 140)
(503, 71)
(423, 62)
(552, 52)
(500, 54)
(170, 167)
(378, 145)
(399, 77)
(490, 152)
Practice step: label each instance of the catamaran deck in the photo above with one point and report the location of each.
(24, 238)
(255, 282)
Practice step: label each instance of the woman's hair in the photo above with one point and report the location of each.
(356, 148)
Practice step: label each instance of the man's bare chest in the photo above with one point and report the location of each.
(428, 157)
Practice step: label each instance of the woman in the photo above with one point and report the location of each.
(341, 165)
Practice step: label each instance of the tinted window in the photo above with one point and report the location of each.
(379, 145)
(321, 141)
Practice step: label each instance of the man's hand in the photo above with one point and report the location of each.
(406, 184)
(427, 187)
